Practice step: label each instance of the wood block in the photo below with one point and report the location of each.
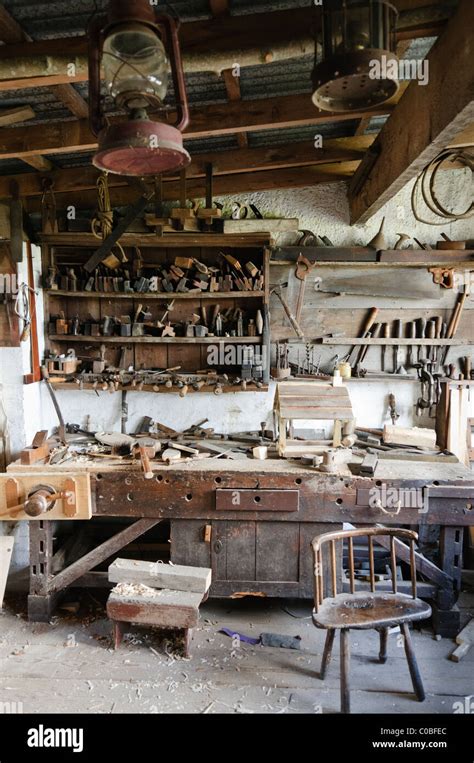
(184, 262)
(182, 213)
(32, 455)
(419, 437)
(156, 575)
(40, 438)
(208, 213)
(464, 641)
(165, 608)
(261, 226)
(6, 549)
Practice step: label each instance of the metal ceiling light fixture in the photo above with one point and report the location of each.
(359, 66)
(133, 45)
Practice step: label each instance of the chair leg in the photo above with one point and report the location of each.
(345, 665)
(383, 644)
(412, 663)
(327, 652)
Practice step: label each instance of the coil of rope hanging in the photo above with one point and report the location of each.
(425, 185)
(102, 223)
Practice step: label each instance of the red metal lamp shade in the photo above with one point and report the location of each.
(139, 146)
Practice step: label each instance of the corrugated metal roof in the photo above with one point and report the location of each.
(292, 134)
(44, 19)
(279, 78)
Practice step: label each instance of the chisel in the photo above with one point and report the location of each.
(397, 333)
(374, 334)
(386, 335)
(421, 335)
(369, 322)
(411, 334)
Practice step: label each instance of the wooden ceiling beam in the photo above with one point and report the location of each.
(219, 7)
(223, 185)
(69, 96)
(426, 120)
(212, 120)
(235, 162)
(10, 30)
(39, 163)
(232, 86)
(15, 115)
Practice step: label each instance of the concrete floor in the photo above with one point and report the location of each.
(69, 665)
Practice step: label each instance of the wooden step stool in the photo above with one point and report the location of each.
(149, 593)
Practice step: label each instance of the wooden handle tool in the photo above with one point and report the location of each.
(146, 466)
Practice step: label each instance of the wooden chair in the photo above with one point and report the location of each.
(364, 609)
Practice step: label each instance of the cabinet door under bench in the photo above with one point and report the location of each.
(250, 556)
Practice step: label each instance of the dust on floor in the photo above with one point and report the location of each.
(70, 666)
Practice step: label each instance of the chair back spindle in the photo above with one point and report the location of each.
(371, 564)
(393, 560)
(333, 568)
(413, 568)
(351, 564)
(331, 538)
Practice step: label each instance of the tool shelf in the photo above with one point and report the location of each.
(124, 340)
(159, 295)
(88, 387)
(394, 341)
(62, 251)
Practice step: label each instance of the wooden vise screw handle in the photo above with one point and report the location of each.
(49, 498)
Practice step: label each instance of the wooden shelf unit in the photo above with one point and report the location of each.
(124, 340)
(160, 295)
(71, 250)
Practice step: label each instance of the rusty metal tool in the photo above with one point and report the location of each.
(394, 415)
(294, 323)
(62, 427)
(367, 326)
(373, 334)
(303, 268)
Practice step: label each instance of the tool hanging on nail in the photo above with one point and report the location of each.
(356, 350)
(303, 268)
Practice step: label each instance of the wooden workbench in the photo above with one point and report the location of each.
(252, 521)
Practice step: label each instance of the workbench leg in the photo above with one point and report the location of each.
(412, 663)
(345, 665)
(446, 616)
(41, 603)
(327, 652)
(383, 645)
